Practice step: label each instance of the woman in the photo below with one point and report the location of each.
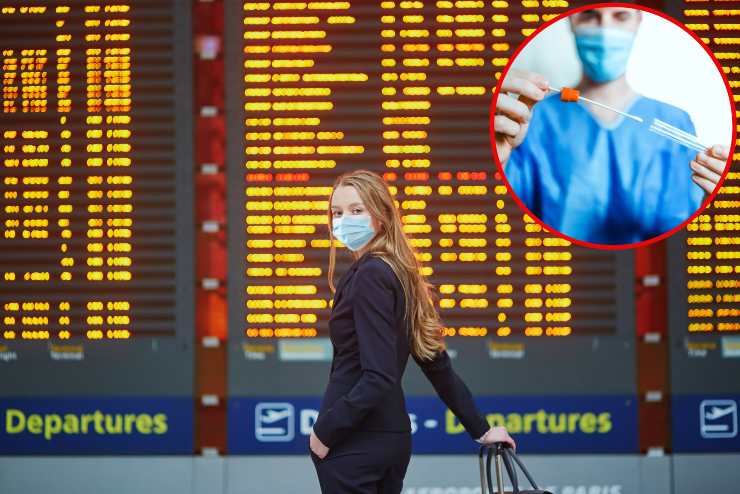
(383, 311)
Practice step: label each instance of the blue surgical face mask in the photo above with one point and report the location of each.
(353, 231)
(603, 51)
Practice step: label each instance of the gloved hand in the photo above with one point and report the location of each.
(708, 167)
(512, 113)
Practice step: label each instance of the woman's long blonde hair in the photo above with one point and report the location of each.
(391, 244)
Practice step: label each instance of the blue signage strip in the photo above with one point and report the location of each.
(120, 425)
(539, 424)
(703, 424)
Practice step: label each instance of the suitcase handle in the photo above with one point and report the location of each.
(524, 470)
(510, 470)
(501, 451)
(485, 471)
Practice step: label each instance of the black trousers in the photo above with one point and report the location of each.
(367, 462)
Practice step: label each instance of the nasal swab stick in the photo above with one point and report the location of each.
(569, 94)
(658, 126)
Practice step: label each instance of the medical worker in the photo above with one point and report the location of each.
(591, 173)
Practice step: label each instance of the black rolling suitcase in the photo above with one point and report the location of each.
(503, 454)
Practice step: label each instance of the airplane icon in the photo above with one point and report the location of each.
(274, 415)
(717, 412)
(273, 422)
(718, 419)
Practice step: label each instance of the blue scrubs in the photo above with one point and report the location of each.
(607, 184)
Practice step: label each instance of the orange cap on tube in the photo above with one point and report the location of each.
(569, 94)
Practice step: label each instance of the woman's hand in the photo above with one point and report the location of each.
(317, 446)
(709, 166)
(519, 92)
(498, 435)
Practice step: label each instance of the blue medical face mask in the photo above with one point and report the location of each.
(353, 231)
(604, 51)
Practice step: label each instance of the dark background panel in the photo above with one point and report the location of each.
(704, 359)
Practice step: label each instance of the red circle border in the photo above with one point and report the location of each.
(499, 167)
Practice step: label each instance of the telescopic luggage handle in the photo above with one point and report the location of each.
(486, 485)
(504, 454)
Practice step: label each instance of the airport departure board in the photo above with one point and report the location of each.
(704, 260)
(704, 302)
(710, 247)
(95, 210)
(704, 281)
(316, 89)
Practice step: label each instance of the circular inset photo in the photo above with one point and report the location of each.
(613, 126)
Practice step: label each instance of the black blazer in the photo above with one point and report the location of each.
(368, 332)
